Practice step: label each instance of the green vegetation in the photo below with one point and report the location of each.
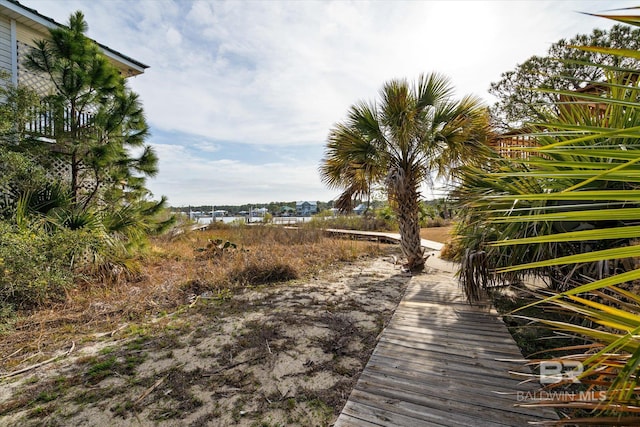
(97, 118)
(566, 212)
(92, 223)
(413, 131)
(564, 68)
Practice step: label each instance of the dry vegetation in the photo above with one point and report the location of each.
(240, 326)
(437, 234)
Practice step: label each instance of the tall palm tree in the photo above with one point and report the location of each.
(411, 132)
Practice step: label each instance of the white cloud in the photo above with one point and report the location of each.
(174, 38)
(207, 146)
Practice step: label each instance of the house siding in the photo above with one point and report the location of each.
(5, 44)
(28, 35)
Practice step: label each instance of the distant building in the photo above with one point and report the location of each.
(359, 210)
(306, 208)
(287, 211)
(259, 212)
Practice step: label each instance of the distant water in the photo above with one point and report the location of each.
(275, 220)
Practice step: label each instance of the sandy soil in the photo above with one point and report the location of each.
(284, 355)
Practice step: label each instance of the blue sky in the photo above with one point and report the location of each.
(240, 95)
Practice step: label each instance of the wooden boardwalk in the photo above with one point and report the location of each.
(382, 236)
(437, 364)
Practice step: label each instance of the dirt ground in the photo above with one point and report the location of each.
(278, 355)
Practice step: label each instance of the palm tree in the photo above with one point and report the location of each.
(410, 133)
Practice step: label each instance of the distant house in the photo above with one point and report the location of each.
(306, 208)
(287, 211)
(360, 209)
(259, 212)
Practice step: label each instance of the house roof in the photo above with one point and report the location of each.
(31, 18)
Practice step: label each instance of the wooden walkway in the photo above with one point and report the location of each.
(438, 364)
(383, 236)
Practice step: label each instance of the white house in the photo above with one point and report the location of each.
(259, 212)
(359, 210)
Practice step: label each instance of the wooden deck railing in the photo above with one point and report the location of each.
(46, 123)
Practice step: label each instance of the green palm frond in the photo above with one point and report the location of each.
(568, 210)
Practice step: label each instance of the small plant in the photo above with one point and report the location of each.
(101, 370)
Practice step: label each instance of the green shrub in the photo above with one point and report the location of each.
(37, 267)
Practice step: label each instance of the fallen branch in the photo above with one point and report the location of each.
(37, 365)
(149, 390)
(110, 333)
(13, 354)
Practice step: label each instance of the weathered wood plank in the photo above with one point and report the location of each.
(434, 383)
(450, 332)
(370, 407)
(501, 382)
(414, 341)
(436, 364)
(478, 414)
(402, 412)
(454, 393)
(444, 360)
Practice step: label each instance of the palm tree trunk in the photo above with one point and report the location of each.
(410, 233)
(403, 189)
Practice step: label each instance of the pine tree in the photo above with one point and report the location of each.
(97, 118)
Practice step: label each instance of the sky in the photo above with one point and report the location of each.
(241, 95)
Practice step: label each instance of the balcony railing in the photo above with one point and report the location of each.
(48, 125)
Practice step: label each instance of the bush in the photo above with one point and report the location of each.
(38, 268)
(30, 276)
(261, 271)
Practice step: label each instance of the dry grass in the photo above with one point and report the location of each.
(173, 273)
(437, 234)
